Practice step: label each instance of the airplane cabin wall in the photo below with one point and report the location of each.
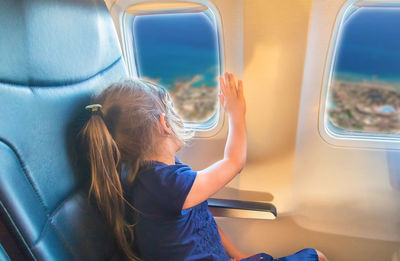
(346, 191)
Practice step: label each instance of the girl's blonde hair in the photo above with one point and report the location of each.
(123, 133)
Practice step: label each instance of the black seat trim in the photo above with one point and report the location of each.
(242, 205)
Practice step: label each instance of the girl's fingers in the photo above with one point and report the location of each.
(240, 88)
(229, 87)
(222, 85)
(228, 84)
(221, 99)
(233, 84)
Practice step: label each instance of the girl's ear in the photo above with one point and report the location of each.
(164, 124)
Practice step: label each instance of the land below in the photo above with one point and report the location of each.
(365, 106)
(193, 103)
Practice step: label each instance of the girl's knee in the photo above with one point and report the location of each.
(321, 256)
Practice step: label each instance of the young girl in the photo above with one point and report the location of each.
(157, 205)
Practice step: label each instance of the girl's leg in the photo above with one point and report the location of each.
(307, 254)
(258, 257)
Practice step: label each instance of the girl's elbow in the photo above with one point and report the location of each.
(242, 165)
(242, 161)
(239, 164)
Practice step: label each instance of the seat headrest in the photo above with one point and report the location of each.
(54, 45)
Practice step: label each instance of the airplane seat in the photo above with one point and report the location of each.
(54, 55)
(3, 254)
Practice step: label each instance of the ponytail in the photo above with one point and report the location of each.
(105, 185)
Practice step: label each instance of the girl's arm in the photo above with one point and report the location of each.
(230, 248)
(216, 176)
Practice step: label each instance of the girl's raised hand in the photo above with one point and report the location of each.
(232, 97)
(213, 178)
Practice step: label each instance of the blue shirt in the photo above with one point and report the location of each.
(164, 231)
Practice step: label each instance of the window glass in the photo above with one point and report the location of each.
(364, 88)
(181, 52)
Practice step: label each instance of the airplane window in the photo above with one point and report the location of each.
(181, 52)
(364, 84)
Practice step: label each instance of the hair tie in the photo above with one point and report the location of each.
(93, 107)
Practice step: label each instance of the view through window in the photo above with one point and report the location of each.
(181, 52)
(364, 93)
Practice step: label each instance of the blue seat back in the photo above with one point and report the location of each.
(54, 55)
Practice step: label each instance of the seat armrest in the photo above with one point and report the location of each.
(241, 209)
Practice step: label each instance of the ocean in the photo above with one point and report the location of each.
(174, 48)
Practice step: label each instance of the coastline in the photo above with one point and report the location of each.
(364, 106)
